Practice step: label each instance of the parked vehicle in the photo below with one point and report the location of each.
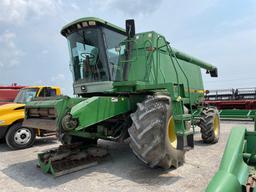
(12, 116)
(131, 87)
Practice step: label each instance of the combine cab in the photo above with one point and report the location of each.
(131, 87)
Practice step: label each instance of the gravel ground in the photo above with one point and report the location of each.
(120, 172)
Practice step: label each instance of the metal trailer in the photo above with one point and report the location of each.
(12, 115)
(233, 103)
(8, 93)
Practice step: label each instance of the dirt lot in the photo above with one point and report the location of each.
(121, 172)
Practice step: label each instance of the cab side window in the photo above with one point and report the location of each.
(47, 92)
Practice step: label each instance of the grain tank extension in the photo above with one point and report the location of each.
(131, 87)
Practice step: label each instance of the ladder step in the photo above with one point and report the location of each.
(183, 99)
(186, 133)
(185, 140)
(183, 117)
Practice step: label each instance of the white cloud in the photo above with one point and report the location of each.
(10, 54)
(58, 78)
(233, 53)
(17, 11)
(136, 7)
(74, 6)
(38, 82)
(128, 7)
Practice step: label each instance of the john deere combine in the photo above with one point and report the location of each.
(130, 87)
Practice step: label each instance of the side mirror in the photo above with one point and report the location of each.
(214, 72)
(130, 28)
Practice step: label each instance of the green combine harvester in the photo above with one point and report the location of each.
(130, 87)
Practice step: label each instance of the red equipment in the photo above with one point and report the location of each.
(243, 98)
(233, 103)
(8, 93)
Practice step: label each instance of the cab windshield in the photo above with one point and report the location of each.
(92, 54)
(26, 95)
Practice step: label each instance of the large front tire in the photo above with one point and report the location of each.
(210, 125)
(152, 134)
(18, 137)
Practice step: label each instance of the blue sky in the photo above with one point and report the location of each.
(223, 33)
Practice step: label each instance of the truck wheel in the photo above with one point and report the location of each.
(210, 125)
(18, 137)
(152, 135)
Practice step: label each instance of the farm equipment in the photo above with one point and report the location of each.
(233, 103)
(8, 93)
(237, 168)
(131, 87)
(12, 116)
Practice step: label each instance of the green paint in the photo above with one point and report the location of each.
(237, 114)
(153, 67)
(61, 104)
(45, 167)
(96, 109)
(237, 162)
(93, 19)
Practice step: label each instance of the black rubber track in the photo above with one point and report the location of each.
(148, 134)
(207, 125)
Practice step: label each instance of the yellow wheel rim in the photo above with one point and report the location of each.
(171, 132)
(216, 124)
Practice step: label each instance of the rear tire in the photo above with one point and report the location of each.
(210, 125)
(149, 135)
(18, 137)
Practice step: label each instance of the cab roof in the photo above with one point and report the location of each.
(41, 86)
(90, 19)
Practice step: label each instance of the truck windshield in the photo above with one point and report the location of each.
(93, 55)
(26, 95)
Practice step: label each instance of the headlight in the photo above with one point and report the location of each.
(1, 122)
